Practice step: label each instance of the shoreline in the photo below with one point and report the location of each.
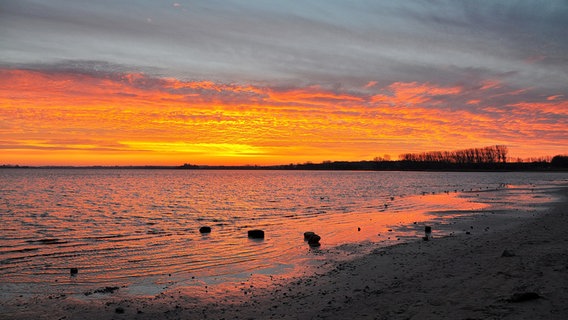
(462, 276)
(356, 166)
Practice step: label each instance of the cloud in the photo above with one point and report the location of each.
(297, 43)
(312, 79)
(169, 117)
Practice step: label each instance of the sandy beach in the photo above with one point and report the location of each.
(498, 266)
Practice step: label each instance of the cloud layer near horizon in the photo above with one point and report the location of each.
(121, 113)
(263, 82)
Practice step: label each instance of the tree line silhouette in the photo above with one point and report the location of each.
(486, 155)
(490, 158)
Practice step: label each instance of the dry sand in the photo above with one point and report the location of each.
(464, 276)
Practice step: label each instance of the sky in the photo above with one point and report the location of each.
(124, 82)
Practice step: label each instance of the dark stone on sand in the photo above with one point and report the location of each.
(74, 271)
(205, 230)
(256, 234)
(507, 253)
(523, 297)
(119, 310)
(314, 241)
(103, 290)
(107, 290)
(308, 235)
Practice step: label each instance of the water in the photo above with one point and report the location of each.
(138, 229)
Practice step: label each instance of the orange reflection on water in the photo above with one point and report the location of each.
(344, 236)
(139, 229)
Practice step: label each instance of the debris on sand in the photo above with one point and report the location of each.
(104, 290)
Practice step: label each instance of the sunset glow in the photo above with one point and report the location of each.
(62, 118)
(82, 111)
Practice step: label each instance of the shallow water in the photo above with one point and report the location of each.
(138, 229)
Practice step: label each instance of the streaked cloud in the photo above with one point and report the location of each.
(283, 81)
(177, 119)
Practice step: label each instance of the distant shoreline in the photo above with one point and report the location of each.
(337, 166)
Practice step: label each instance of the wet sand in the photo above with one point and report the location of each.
(498, 267)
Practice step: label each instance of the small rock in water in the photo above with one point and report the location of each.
(74, 271)
(308, 235)
(427, 232)
(314, 241)
(256, 234)
(119, 310)
(205, 229)
(507, 253)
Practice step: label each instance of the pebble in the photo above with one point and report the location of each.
(507, 253)
(523, 297)
(205, 230)
(256, 234)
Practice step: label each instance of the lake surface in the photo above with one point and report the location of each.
(139, 229)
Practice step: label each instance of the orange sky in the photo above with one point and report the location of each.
(74, 118)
